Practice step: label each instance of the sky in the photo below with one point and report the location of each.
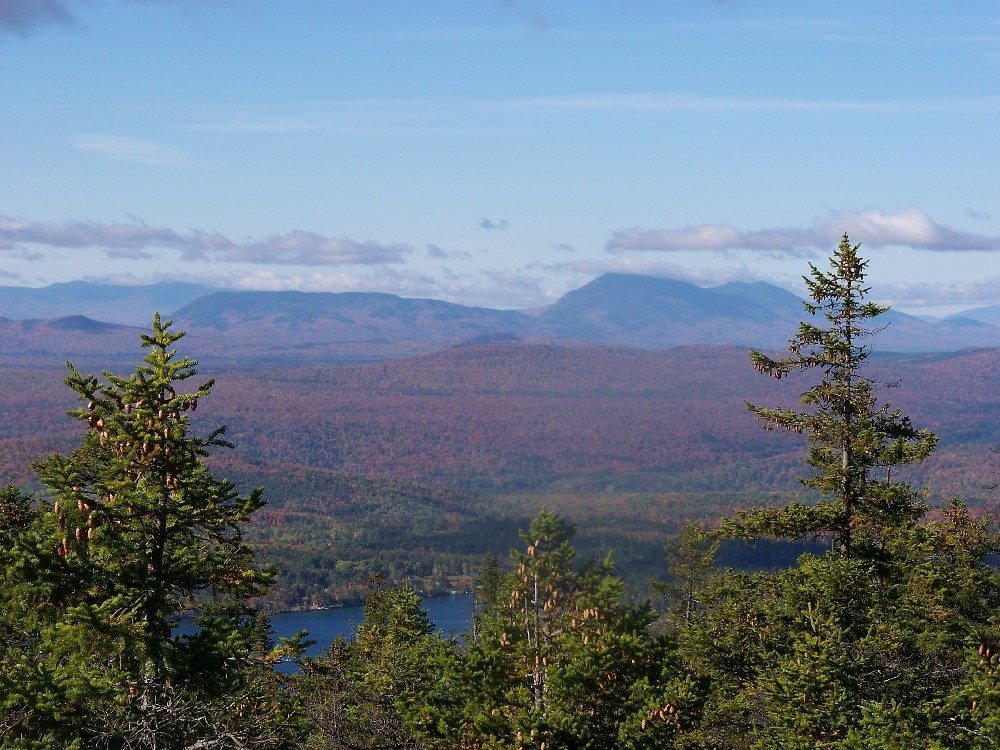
(501, 153)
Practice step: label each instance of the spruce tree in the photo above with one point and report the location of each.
(393, 686)
(142, 532)
(691, 564)
(879, 642)
(487, 590)
(563, 662)
(29, 583)
(855, 443)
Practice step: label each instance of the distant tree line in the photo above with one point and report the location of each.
(885, 634)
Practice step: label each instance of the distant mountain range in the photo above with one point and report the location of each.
(126, 305)
(617, 309)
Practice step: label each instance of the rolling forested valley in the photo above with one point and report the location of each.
(690, 519)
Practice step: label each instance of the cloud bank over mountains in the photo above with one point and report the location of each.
(909, 228)
(312, 261)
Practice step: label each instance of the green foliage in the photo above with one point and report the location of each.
(488, 592)
(135, 529)
(561, 662)
(690, 561)
(392, 687)
(854, 442)
(874, 643)
(31, 701)
(817, 655)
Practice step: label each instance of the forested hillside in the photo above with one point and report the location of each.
(506, 417)
(414, 467)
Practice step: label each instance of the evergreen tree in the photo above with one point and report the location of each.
(140, 530)
(690, 561)
(874, 643)
(31, 701)
(392, 687)
(562, 662)
(488, 589)
(855, 443)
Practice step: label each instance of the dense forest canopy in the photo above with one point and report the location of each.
(884, 634)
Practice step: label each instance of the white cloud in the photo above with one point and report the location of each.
(873, 228)
(135, 240)
(311, 249)
(703, 237)
(649, 266)
(962, 294)
(132, 150)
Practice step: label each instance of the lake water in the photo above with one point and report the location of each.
(452, 615)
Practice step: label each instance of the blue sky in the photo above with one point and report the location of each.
(500, 153)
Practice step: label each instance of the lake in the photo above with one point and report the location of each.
(452, 615)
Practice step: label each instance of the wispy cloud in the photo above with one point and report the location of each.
(304, 248)
(486, 116)
(510, 289)
(977, 215)
(23, 17)
(964, 294)
(527, 13)
(406, 283)
(874, 228)
(369, 116)
(489, 224)
(648, 265)
(660, 102)
(133, 150)
(136, 240)
(82, 234)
